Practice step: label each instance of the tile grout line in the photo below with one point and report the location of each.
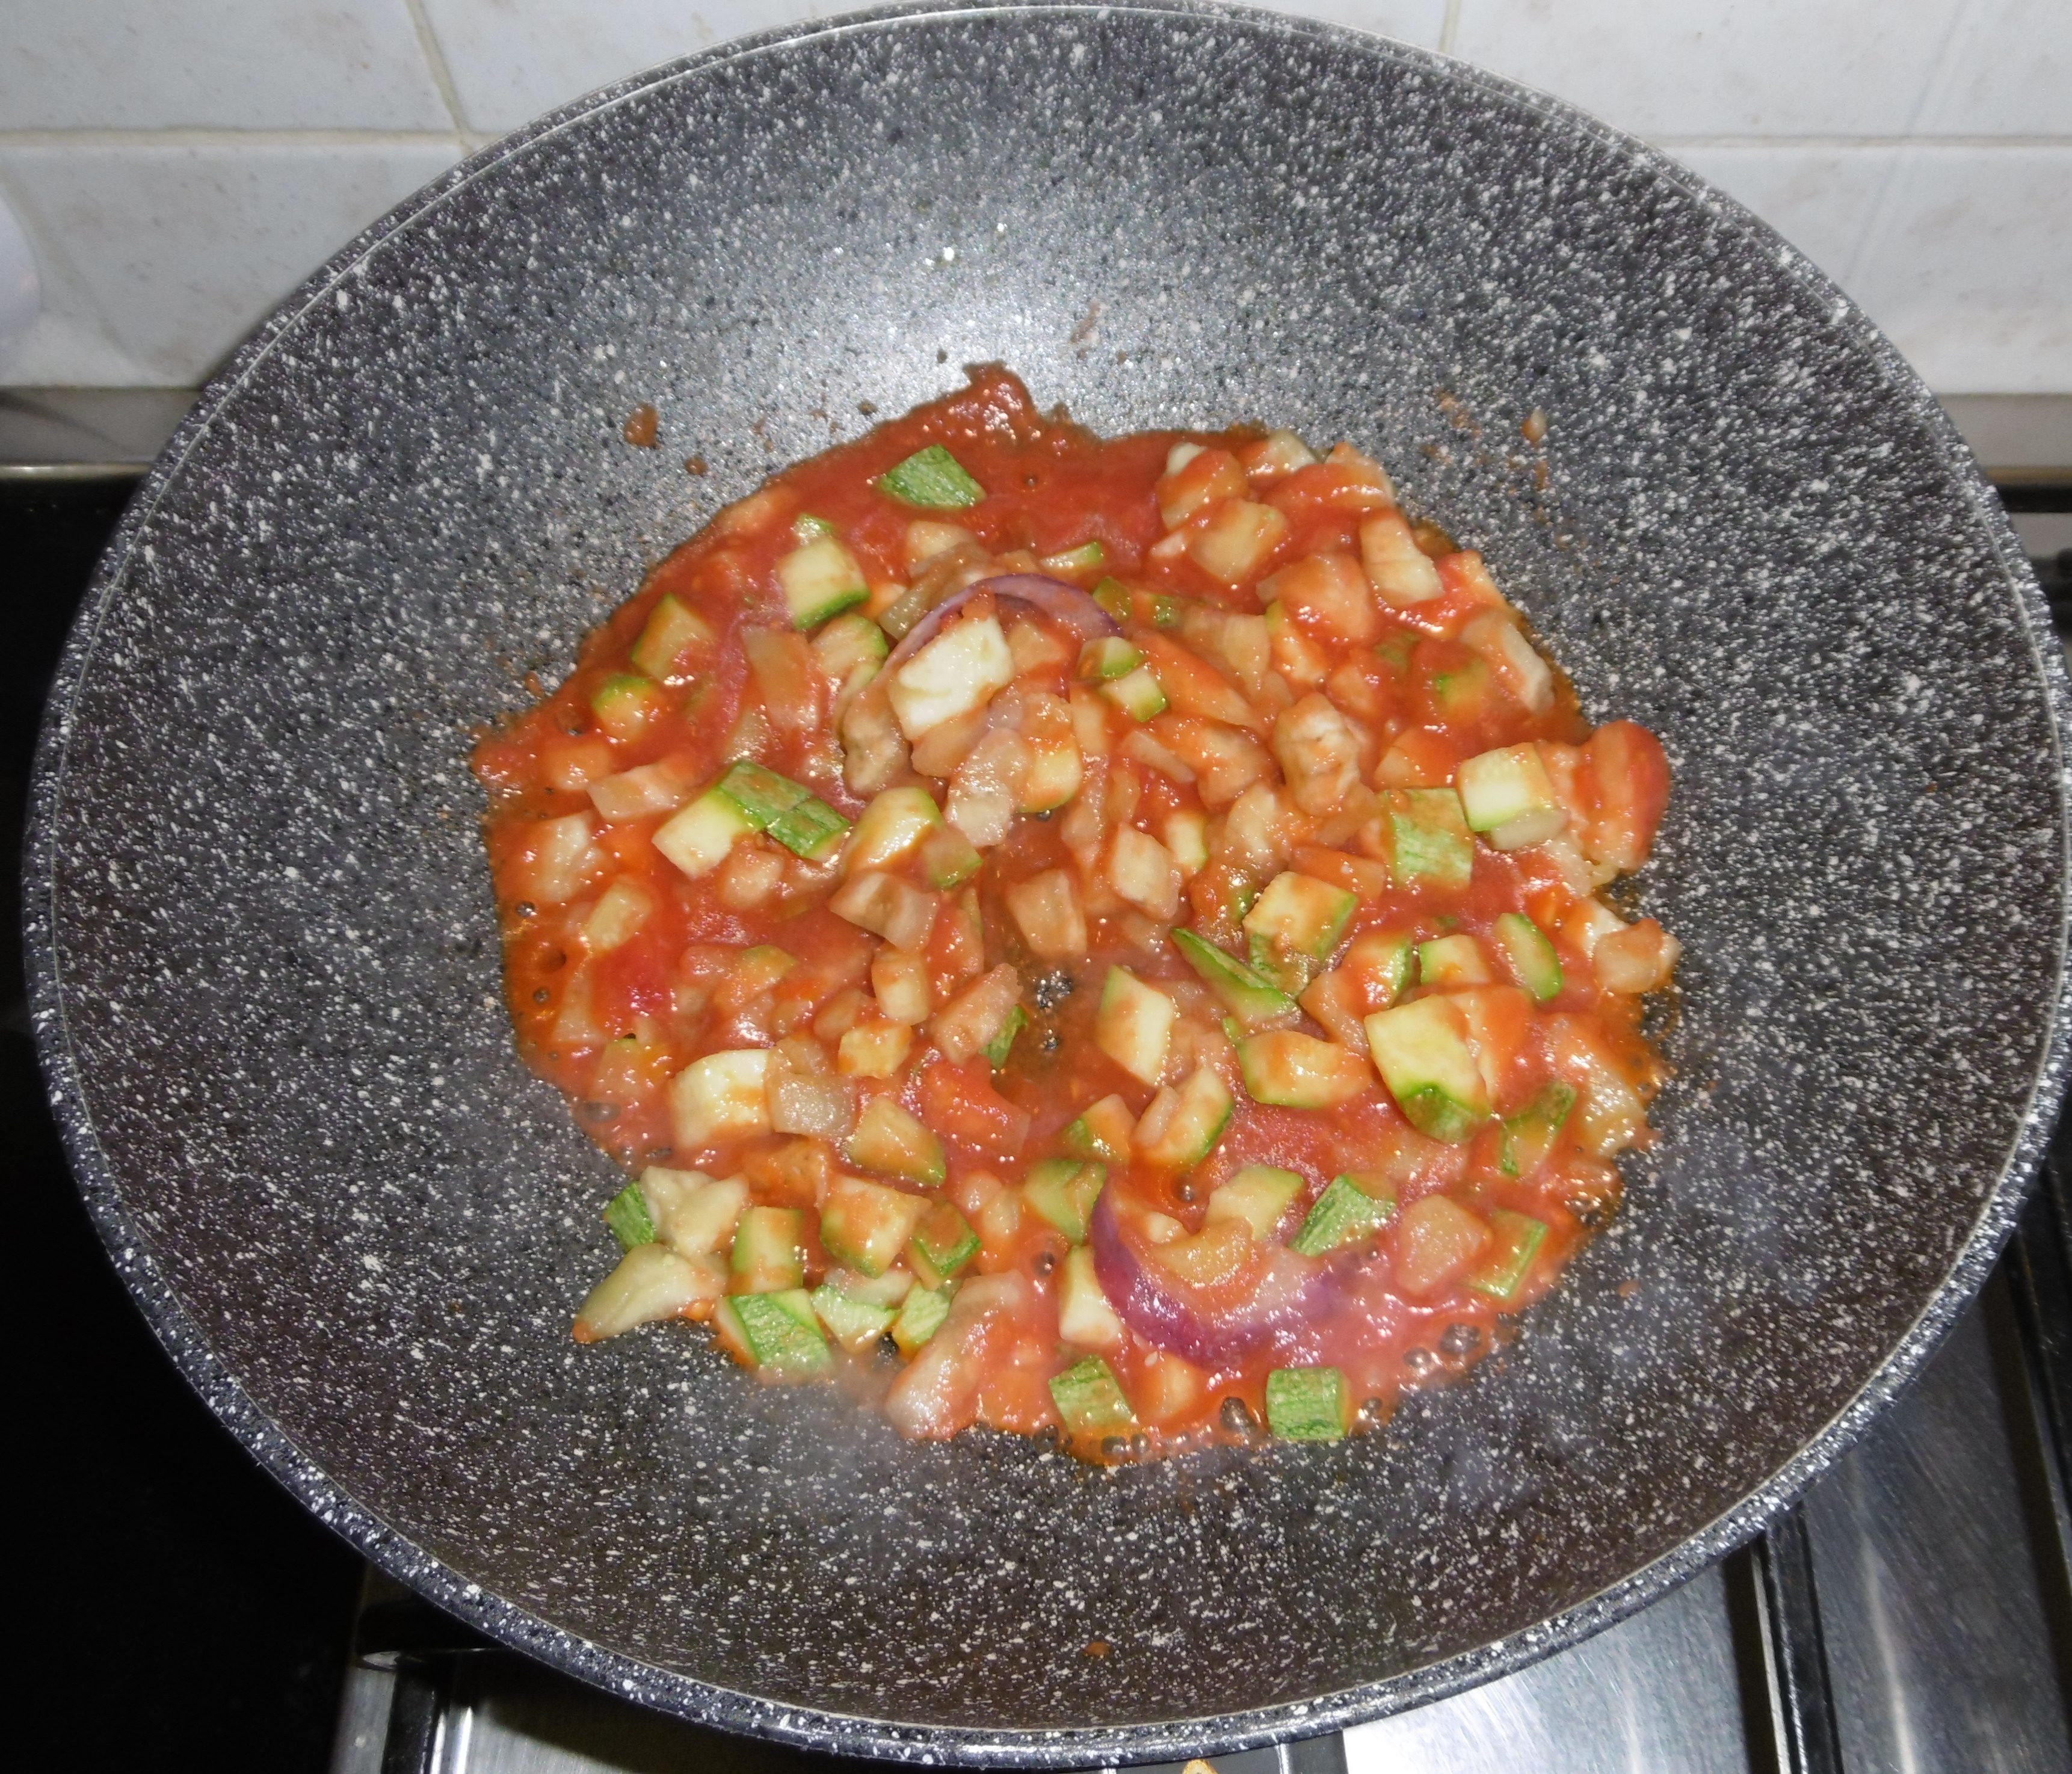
(230, 139)
(1878, 219)
(473, 138)
(47, 249)
(435, 59)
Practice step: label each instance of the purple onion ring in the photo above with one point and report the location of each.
(1053, 597)
(1158, 1312)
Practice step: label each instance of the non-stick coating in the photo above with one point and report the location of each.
(267, 968)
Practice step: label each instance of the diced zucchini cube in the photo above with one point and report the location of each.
(1298, 1071)
(1496, 636)
(1055, 772)
(920, 1317)
(943, 1242)
(1530, 1135)
(896, 821)
(1102, 1131)
(900, 982)
(1421, 1050)
(1381, 962)
(1308, 1404)
(848, 642)
(1002, 1044)
(1072, 563)
(1085, 1318)
(1529, 955)
(616, 919)
(1108, 658)
(866, 1224)
(887, 907)
(651, 1283)
(624, 705)
(698, 839)
(1186, 836)
(1450, 961)
(723, 1096)
(1112, 595)
(821, 580)
(1428, 837)
(1256, 1001)
(890, 1141)
(1400, 571)
(1507, 796)
(671, 631)
(770, 1249)
(855, 1324)
(627, 1215)
(872, 1048)
(955, 672)
(1298, 914)
(1519, 1237)
(1258, 1194)
(1138, 694)
(1134, 1025)
(763, 795)
(694, 1214)
(1239, 538)
(1181, 1126)
(1090, 1400)
(933, 479)
(776, 1333)
(948, 858)
(1345, 1212)
(1063, 1191)
(1436, 1241)
(812, 829)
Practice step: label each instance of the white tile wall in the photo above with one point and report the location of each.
(233, 64)
(179, 164)
(167, 255)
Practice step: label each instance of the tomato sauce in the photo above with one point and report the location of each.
(1099, 937)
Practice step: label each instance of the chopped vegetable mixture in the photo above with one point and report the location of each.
(1092, 937)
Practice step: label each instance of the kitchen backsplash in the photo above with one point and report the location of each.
(178, 165)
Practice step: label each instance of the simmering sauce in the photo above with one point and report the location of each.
(1081, 935)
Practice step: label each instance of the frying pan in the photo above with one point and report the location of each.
(265, 966)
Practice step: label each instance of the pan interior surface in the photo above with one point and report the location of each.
(269, 981)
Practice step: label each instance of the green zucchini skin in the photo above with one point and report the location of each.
(932, 480)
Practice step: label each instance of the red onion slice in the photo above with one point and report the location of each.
(1294, 1294)
(1053, 597)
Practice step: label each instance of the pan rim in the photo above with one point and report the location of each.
(513, 1624)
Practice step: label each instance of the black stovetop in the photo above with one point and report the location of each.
(1915, 1612)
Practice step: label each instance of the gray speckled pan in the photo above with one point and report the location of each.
(266, 969)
